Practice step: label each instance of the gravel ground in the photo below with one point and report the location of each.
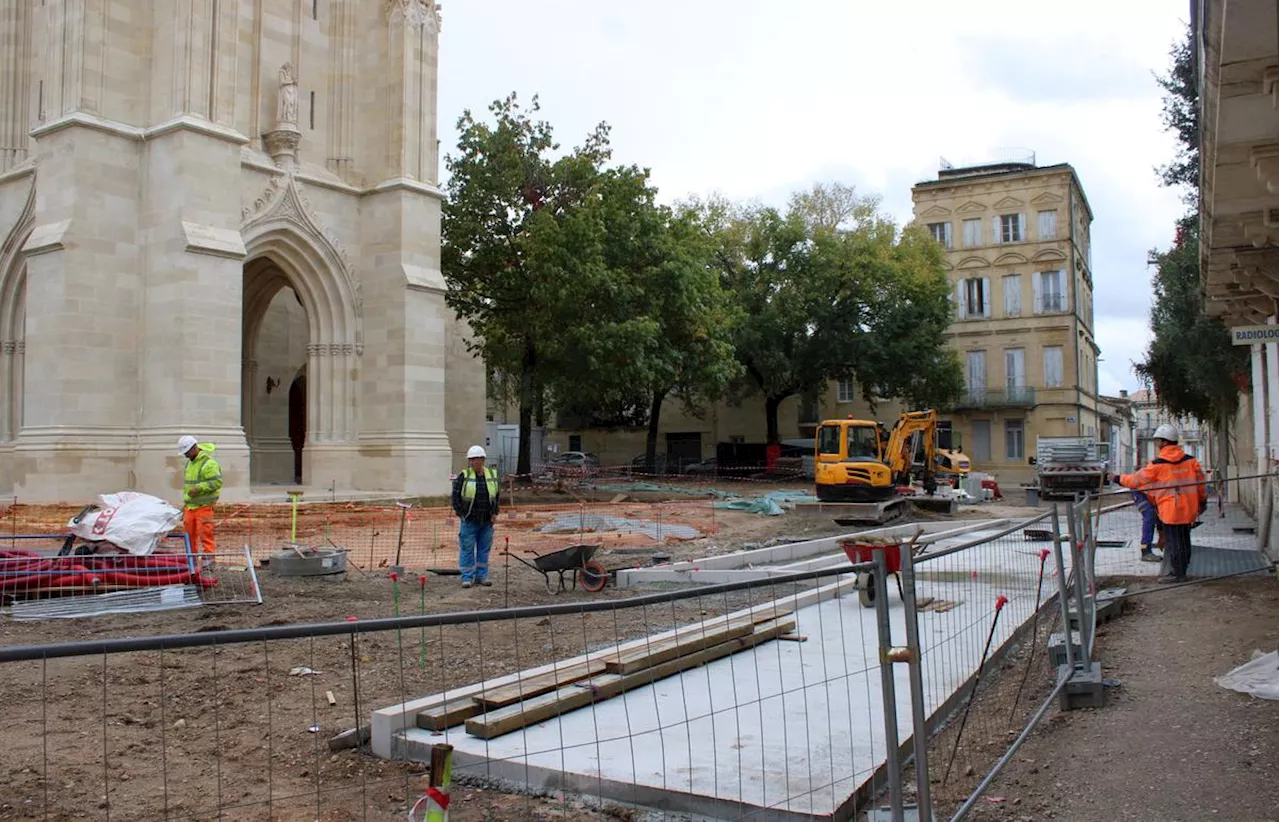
(1170, 744)
(184, 732)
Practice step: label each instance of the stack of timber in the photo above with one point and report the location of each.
(537, 698)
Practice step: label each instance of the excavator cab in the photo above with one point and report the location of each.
(861, 461)
(849, 462)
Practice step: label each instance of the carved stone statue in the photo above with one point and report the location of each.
(287, 110)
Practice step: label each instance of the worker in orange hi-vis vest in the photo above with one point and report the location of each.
(1175, 482)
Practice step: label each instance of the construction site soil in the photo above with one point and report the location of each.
(186, 732)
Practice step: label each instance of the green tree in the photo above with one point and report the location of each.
(664, 319)
(1181, 115)
(831, 289)
(1190, 361)
(517, 248)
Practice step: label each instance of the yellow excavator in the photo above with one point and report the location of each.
(859, 461)
(952, 463)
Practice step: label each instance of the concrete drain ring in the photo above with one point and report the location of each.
(312, 562)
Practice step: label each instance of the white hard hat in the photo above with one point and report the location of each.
(475, 451)
(1166, 432)
(186, 443)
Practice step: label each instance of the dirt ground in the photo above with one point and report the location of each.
(1170, 744)
(186, 732)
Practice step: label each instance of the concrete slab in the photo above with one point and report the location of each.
(388, 722)
(762, 563)
(784, 729)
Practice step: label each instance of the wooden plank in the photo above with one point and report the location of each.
(680, 641)
(681, 634)
(538, 685)
(451, 713)
(684, 643)
(333, 700)
(605, 686)
(768, 614)
(794, 638)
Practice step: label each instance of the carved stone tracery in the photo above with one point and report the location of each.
(283, 199)
(416, 13)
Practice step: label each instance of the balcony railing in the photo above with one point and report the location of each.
(1011, 397)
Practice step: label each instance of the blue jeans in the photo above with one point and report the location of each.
(474, 542)
(1148, 512)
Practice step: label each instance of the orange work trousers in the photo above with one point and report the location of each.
(198, 523)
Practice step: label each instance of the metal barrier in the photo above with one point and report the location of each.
(274, 722)
(974, 612)
(678, 700)
(1044, 634)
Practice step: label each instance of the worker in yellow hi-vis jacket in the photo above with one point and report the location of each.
(202, 483)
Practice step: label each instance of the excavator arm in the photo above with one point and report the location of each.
(901, 451)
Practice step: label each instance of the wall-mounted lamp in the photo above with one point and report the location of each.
(272, 384)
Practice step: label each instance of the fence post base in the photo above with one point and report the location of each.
(1084, 688)
(1058, 655)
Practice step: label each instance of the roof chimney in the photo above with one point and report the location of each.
(1124, 395)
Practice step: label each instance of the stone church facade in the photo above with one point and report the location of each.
(222, 217)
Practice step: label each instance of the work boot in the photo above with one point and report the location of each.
(1150, 556)
(466, 584)
(486, 583)
(1171, 579)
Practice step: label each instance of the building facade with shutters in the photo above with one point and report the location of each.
(1017, 240)
(1149, 414)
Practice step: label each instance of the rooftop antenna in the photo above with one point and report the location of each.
(944, 164)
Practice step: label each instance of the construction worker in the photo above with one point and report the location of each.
(1175, 482)
(475, 501)
(201, 484)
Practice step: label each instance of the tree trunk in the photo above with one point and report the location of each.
(540, 402)
(771, 419)
(651, 440)
(528, 397)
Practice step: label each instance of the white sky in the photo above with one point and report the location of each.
(757, 100)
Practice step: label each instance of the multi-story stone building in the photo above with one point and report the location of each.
(1018, 248)
(1149, 415)
(1117, 431)
(223, 219)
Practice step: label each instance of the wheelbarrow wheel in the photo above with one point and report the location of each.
(594, 577)
(866, 590)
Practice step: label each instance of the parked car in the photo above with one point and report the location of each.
(572, 465)
(639, 466)
(702, 469)
(795, 459)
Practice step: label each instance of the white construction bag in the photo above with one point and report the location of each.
(129, 520)
(1258, 677)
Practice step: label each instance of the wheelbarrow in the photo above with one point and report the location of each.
(575, 561)
(865, 581)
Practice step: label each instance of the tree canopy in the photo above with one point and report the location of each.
(830, 289)
(593, 299)
(1190, 361)
(521, 256)
(573, 278)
